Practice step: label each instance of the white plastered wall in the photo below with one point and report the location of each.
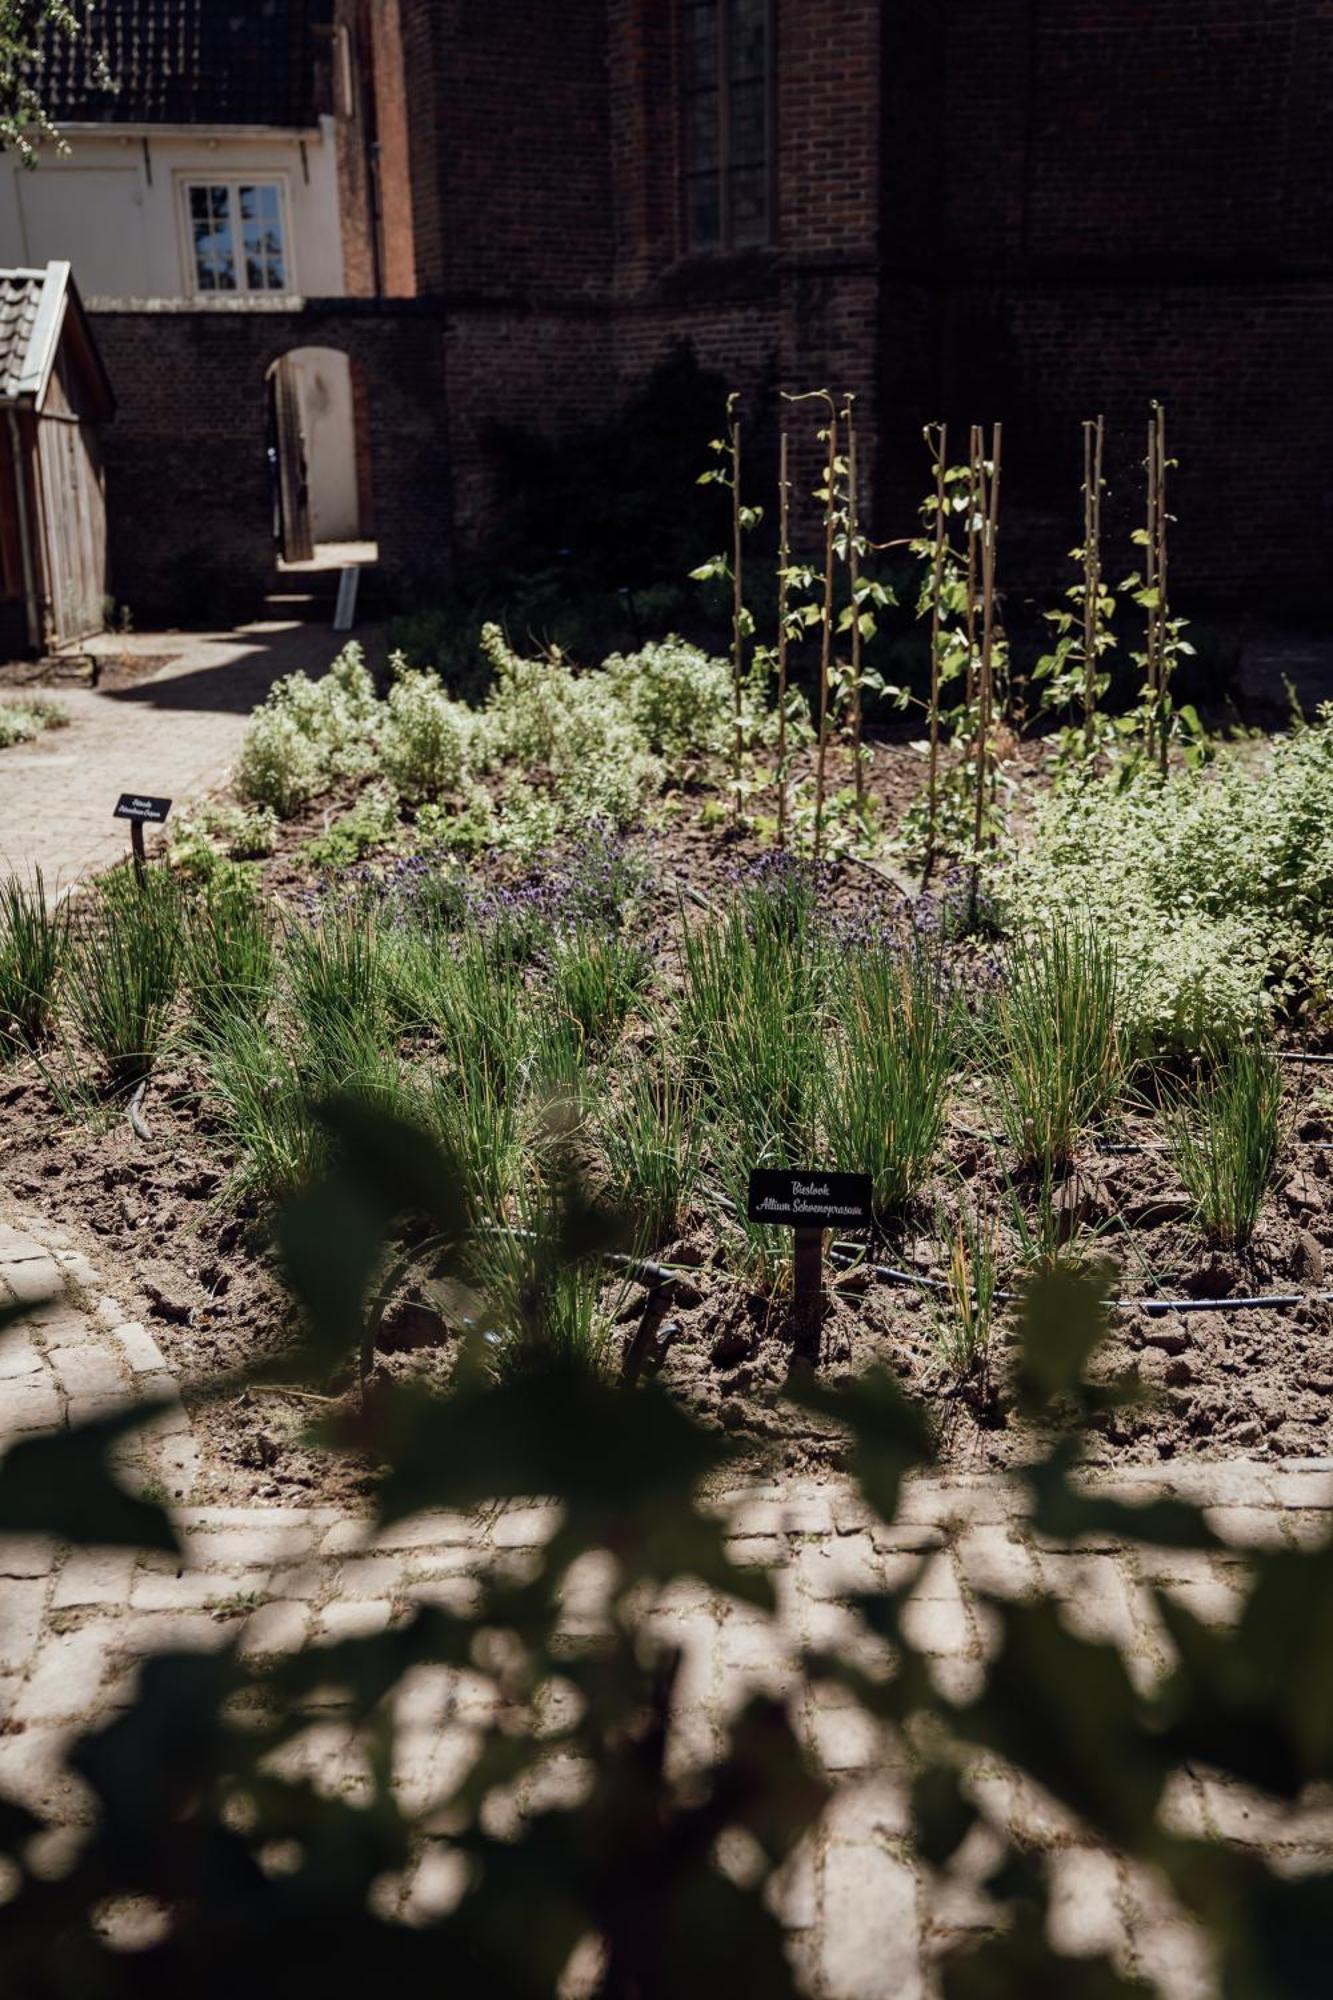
(112, 204)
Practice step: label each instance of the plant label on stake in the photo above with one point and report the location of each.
(140, 811)
(809, 1201)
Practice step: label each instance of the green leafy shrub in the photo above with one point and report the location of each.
(678, 698)
(234, 833)
(570, 736)
(309, 733)
(1215, 887)
(426, 738)
(22, 721)
(369, 825)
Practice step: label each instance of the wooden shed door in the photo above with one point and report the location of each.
(74, 528)
(298, 542)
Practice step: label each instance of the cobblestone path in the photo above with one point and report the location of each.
(74, 1624)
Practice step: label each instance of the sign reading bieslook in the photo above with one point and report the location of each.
(797, 1198)
(146, 811)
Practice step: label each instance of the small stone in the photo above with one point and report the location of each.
(165, 1307)
(1159, 1210)
(731, 1346)
(1308, 1259)
(1302, 1196)
(1169, 1335)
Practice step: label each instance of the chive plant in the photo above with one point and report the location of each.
(888, 1077)
(1224, 1136)
(126, 967)
(1057, 1054)
(34, 945)
(650, 1135)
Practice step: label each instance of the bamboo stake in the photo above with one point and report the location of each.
(1150, 583)
(737, 607)
(973, 509)
(854, 569)
(1093, 440)
(826, 621)
(990, 492)
(1163, 666)
(936, 580)
(784, 564)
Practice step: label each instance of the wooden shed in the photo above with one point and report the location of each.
(54, 396)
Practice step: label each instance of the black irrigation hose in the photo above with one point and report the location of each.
(850, 1253)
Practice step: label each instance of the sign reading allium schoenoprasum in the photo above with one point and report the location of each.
(139, 807)
(800, 1198)
(141, 811)
(808, 1201)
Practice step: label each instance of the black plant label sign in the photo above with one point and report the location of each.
(149, 812)
(807, 1198)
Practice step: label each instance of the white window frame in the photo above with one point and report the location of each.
(194, 177)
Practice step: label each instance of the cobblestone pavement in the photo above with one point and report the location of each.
(73, 1625)
(173, 733)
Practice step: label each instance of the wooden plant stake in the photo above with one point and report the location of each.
(854, 569)
(826, 619)
(974, 507)
(936, 584)
(784, 638)
(1093, 440)
(1159, 551)
(989, 488)
(737, 607)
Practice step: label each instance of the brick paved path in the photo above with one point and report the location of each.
(174, 734)
(72, 1626)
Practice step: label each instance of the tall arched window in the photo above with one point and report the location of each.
(728, 109)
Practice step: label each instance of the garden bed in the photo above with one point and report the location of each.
(177, 1221)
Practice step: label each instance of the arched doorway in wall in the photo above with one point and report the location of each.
(319, 459)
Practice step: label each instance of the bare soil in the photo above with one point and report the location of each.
(156, 1221)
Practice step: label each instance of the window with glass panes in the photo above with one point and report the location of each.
(728, 122)
(236, 236)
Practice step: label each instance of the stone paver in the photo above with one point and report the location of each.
(861, 1919)
(174, 732)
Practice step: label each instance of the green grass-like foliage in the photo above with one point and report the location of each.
(1057, 1052)
(750, 1033)
(34, 945)
(229, 951)
(1224, 1137)
(650, 1137)
(889, 1074)
(126, 969)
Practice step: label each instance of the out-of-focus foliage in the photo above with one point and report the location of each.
(571, 1826)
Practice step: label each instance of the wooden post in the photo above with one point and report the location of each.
(808, 1269)
(936, 579)
(784, 564)
(137, 848)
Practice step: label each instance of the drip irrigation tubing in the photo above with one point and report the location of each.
(852, 1256)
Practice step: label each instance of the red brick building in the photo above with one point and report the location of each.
(1029, 210)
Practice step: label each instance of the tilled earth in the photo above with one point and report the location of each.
(156, 1220)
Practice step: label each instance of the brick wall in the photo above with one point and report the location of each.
(186, 468)
(1091, 203)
